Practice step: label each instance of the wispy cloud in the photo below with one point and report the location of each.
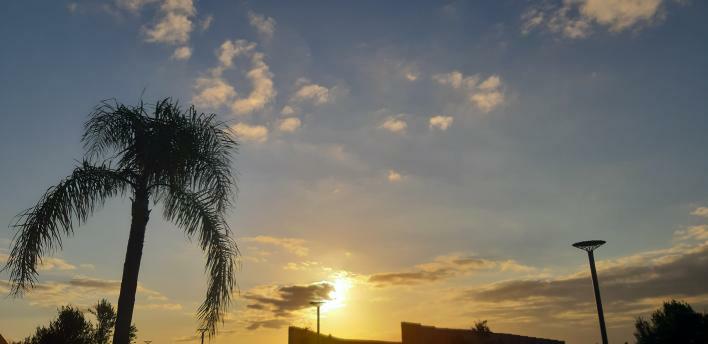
(264, 25)
(440, 122)
(213, 90)
(394, 124)
(444, 267)
(485, 95)
(576, 19)
(292, 245)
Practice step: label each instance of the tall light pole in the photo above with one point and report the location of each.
(202, 330)
(317, 304)
(589, 247)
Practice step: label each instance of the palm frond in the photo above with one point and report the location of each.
(193, 212)
(115, 128)
(63, 206)
(200, 149)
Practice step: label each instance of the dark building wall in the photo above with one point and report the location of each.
(298, 335)
(419, 334)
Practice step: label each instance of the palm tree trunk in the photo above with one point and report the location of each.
(131, 267)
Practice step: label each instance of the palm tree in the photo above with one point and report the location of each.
(180, 158)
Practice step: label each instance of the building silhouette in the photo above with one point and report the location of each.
(412, 333)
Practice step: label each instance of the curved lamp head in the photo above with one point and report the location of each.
(589, 245)
(316, 303)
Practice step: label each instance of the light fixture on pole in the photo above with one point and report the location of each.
(202, 330)
(147, 341)
(589, 247)
(317, 304)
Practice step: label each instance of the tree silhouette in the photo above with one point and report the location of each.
(481, 327)
(181, 158)
(71, 327)
(105, 321)
(674, 322)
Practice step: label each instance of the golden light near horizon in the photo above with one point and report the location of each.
(337, 297)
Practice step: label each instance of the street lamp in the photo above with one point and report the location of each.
(317, 304)
(147, 341)
(589, 246)
(202, 330)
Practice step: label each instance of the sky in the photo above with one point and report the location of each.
(420, 161)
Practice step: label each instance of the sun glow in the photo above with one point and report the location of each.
(338, 296)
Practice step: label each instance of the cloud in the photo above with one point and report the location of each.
(264, 25)
(394, 125)
(630, 286)
(182, 53)
(444, 267)
(282, 301)
(290, 124)
(263, 91)
(46, 263)
(575, 19)
(457, 80)
(83, 291)
(270, 323)
(313, 93)
(175, 24)
(486, 95)
(700, 211)
(292, 245)
(699, 232)
(394, 176)
(287, 110)
(133, 5)
(205, 24)
(252, 133)
(212, 90)
(440, 122)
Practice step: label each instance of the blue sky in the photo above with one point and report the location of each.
(379, 137)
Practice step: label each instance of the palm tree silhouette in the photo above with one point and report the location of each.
(181, 158)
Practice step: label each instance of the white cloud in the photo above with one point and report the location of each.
(175, 24)
(492, 83)
(394, 176)
(287, 110)
(252, 133)
(212, 92)
(312, 92)
(575, 19)
(290, 124)
(263, 91)
(486, 95)
(229, 50)
(487, 101)
(47, 263)
(440, 122)
(292, 245)
(133, 5)
(455, 79)
(264, 25)
(205, 24)
(182, 53)
(700, 211)
(394, 125)
(698, 233)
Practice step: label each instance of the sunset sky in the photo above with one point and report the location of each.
(421, 161)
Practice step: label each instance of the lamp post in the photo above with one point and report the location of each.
(202, 330)
(317, 304)
(589, 247)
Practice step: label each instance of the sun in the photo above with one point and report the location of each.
(338, 296)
